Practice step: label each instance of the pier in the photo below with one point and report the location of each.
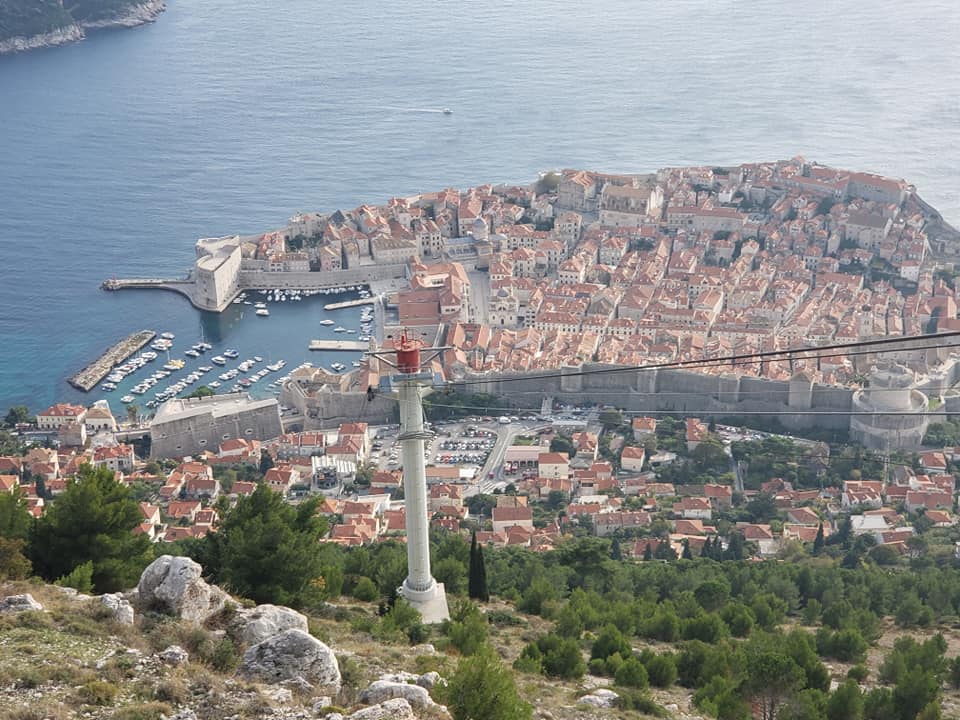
(100, 368)
(351, 345)
(350, 303)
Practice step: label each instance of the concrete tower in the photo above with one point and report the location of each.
(413, 382)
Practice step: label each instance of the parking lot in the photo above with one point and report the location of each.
(456, 443)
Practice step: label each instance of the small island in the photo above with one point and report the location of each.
(32, 24)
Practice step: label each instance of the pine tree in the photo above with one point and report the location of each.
(92, 521)
(818, 541)
(477, 581)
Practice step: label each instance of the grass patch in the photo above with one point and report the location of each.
(144, 711)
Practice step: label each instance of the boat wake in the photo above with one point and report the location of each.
(438, 111)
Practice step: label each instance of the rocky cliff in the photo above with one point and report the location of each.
(31, 24)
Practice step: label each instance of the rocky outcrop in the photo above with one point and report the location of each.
(291, 654)
(255, 625)
(61, 36)
(133, 16)
(395, 709)
(119, 606)
(173, 585)
(381, 690)
(19, 603)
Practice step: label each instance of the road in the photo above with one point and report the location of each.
(479, 295)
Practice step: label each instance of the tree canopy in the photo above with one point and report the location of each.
(267, 550)
(92, 521)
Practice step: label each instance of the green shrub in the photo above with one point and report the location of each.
(98, 692)
(225, 656)
(80, 578)
(365, 590)
(632, 674)
(638, 701)
(662, 670)
(858, 673)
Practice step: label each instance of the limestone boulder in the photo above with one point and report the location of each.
(174, 585)
(429, 680)
(292, 653)
(395, 709)
(19, 603)
(600, 698)
(264, 621)
(119, 606)
(381, 690)
(174, 655)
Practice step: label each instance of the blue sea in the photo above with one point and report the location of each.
(118, 152)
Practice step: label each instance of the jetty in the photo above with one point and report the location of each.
(351, 345)
(350, 303)
(96, 371)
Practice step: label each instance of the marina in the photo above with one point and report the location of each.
(96, 371)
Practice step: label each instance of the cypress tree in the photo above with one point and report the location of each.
(477, 580)
(687, 555)
(615, 552)
(647, 553)
(818, 541)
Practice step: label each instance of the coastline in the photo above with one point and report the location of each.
(140, 14)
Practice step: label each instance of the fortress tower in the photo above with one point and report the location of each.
(891, 414)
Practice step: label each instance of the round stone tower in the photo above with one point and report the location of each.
(890, 413)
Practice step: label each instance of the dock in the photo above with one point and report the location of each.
(96, 371)
(351, 345)
(350, 303)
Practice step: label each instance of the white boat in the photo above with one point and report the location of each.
(215, 384)
(231, 353)
(167, 336)
(108, 386)
(127, 399)
(218, 360)
(262, 312)
(337, 367)
(260, 305)
(191, 353)
(326, 321)
(339, 328)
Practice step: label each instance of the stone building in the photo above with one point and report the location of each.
(190, 426)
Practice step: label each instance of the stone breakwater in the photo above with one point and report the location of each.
(136, 15)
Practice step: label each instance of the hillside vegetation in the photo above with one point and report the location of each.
(26, 18)
(32, 17)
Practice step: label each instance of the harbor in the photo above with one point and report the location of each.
(93, 373)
